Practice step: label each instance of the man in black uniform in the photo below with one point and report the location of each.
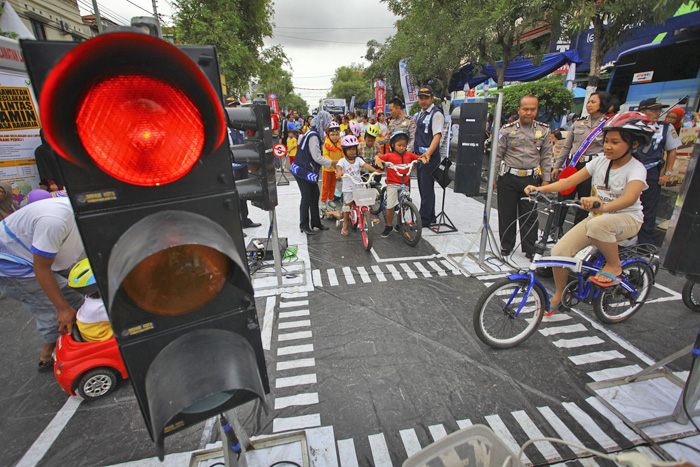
(524, 158)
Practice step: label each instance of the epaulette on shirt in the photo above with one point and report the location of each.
(541, 124)
(507, 125)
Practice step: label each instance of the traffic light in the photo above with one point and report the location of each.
(256, 153)
(140, 128)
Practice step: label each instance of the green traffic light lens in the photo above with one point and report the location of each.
(177, 280)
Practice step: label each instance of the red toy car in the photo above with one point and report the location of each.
(92, 369)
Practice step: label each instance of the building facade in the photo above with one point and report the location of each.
(56, 20)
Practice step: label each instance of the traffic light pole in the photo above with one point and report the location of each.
(276, 249)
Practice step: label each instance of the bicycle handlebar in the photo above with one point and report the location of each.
(366, 183)
(396, 167)
(537, 195)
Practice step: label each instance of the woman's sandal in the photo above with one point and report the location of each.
(45, 365)
(554, 309)
(614, 279)
(344, 232)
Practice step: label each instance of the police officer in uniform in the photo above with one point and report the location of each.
(665, 140)
(399, 122)
(524, 147)
(428, 134)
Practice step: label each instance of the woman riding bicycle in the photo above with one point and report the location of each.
(618, 179)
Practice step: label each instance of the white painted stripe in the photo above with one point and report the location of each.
(500, 429)
(380, 451)
(590, 426)
(380, 274)
(409, 271)
(346, 453)
(462, 424)
(562, 430)
(321, 444)
(43, 443)
(293, 314)
(615, 373)
(394, 272)
(619, 425)
(672, 293)
(294, 294)
(422, 269)
(531, 430)
(363, 274)
(299, 380)
(551, 331)
(295, 349)
(578, 342)
(437, 432)
(296, 423)
(308, 398)
(594, 357)
(290, 336)
(294, 324)
(455, 270)
(438, 269)
(488, 284)
(299, 363)
(410, 441)
(332, 278)
(268, 320)
(316, 274)
(351, 281)
(557, 318)
(663, 299)
(294, 304)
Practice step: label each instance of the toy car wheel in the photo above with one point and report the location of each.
(97, 383)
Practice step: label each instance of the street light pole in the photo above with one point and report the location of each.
(98, 20)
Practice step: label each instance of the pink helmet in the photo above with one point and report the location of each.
(333, 127)
(354, 128)
(636, 123)
(349, 141)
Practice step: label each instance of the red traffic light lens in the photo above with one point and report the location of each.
(140, 129)
(177, 280)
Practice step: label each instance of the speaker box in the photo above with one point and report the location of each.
(682, 241)
(470, 150)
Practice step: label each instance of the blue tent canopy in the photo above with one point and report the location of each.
(520, 69)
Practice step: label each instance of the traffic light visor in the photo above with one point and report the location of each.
(134, 106)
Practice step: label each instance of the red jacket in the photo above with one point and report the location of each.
(393, 177)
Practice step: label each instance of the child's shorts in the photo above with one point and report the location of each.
(392, 196)
(347, 197)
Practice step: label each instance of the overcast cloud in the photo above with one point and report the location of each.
(315, 34)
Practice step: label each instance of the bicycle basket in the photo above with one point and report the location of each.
(364, 197)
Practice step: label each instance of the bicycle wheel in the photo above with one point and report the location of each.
(691, 295)
(615, 304)
(495, 320)
(410, 222)
(366, 238)
(353, 219)
(376, 208)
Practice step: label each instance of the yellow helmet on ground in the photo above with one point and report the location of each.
(81, 278)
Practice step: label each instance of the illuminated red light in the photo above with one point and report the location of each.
(140, 129)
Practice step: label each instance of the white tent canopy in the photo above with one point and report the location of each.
(10, 22)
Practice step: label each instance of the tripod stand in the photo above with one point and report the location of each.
(442, 176)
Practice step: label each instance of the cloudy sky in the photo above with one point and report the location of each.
(318, 36)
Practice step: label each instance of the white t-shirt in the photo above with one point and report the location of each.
(355, 172)
(47, 228)
(618, 181)
(92, 311)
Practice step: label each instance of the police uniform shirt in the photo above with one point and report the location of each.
(526, 148)
(577, 134)
(438, 119)
(404, 123)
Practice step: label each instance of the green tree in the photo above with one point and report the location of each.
(275, 79)
(613, 22)
(351, 81)
(237, 29)
(554, 98)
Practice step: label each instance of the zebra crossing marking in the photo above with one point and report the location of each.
(280, 424)
(290, 336)
(295, 349)
(615, 372)
(294, 324)
(394, 272)
(293, 314)
(455, 270)
(595, 357)
(562, 430)
(309, 398)
(462, 424)
(502, 432)
(422, 269)
(380, 275)
(585, 420)
(363, 274)
(578, 342)
(410, 441)
(441, 272)
(293, 364)
(332, 278)
(347, 453)
(316, 277)
(347, 272)
(292, 381)
(568, 329)
(409, 271)
(294, 303)
(531, 430)
(619, 425)
(437, 432)
(380, 451)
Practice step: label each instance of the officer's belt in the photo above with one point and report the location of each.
(521, 172)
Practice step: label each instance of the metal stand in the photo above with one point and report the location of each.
(442, 220)
(283, 180)
(485, 230)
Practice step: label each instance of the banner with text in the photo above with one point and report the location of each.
(272, 99)
(379, 90)
(410, 91)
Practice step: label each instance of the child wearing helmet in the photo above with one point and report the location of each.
(334, 152)
(92, 319)
(618, 180)
(354, 129)
(352, 165)
(398, 155)
(369, 147)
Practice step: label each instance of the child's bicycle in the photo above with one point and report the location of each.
(409, 221)
(691, 293)
(510, 311)
(360, 215)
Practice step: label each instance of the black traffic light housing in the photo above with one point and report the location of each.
(141, 130)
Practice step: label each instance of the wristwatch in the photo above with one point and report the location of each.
(668, 174)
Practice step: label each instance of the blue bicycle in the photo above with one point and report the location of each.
(510, 311)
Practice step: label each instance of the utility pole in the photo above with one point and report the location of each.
(155, 11)
(97, 16)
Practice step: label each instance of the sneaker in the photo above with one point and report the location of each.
(387, 230)
(397, 228)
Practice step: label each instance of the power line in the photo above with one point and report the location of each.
(110, 14)
(325, 29)
(312, 89)
(319, 40)
(140, 7)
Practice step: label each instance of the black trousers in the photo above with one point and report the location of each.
(650, 200)
(426, 188)
(583, 189)
(308, 208)
(510, 207)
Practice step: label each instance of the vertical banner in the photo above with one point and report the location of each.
(410, 92)
(272, 99)
(379, 90)
(352, 105)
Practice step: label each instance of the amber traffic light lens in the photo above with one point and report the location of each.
(178, 280)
